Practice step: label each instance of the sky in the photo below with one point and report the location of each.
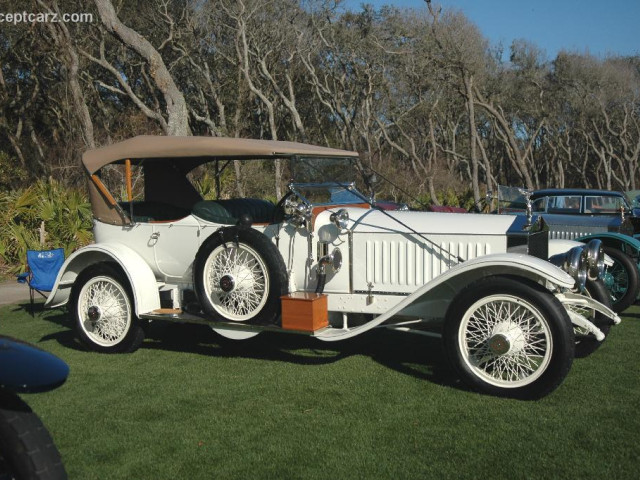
(584, 26)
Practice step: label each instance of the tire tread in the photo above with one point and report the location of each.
(559, 324)
(22, 432)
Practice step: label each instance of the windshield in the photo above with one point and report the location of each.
(328, 193)
(322, 170)
(633, 197)
(326, 180)
(510, 200)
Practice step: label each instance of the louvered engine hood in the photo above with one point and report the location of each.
(374, 221)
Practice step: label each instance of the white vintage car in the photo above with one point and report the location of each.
(322, 262)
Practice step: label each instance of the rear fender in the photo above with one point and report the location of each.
(144, 286)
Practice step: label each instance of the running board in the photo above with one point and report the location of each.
(178, 316)
(328, 333)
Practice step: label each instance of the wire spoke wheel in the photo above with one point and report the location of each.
(621, 279)
(508, 336)
(506, 340)
(104, 311)
(239, 276)
(236, 281)
(617, 280)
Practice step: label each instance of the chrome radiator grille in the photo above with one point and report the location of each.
(567, 233)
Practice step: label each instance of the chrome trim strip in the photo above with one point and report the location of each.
(375, 292)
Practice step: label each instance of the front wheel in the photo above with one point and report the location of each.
(621, 279)
(102, 306)
(509, 338)
(26, 448)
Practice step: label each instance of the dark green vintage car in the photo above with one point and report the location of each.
(583, 215)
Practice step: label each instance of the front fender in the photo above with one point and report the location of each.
(25, 368)
(141, 278)
(615, 240)
(432, 299)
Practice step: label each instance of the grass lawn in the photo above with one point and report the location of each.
(192, 405)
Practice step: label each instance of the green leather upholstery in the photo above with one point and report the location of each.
(154, 211)
(227, 212)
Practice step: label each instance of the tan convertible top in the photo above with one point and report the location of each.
(170, 147)
(188, 152)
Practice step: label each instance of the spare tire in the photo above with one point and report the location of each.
(239, 276)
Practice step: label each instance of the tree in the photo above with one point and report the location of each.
(462, 50)
(174, 120)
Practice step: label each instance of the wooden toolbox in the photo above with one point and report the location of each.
(304, 311)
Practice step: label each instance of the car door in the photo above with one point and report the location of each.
(175, 245)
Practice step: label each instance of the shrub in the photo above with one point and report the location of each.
(44, 215)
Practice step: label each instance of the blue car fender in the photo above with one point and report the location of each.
(25, 368)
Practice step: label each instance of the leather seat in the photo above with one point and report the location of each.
(227, 212)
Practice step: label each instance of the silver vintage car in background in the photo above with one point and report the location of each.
(320, 262)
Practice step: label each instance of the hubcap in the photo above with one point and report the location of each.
(227, 283)
(94, 313)
(499, 344)
(507, 337)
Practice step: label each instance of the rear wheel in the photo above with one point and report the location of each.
(509, 338)
(103, 311)
(621, 279)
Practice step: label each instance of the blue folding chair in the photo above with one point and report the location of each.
(44, 266)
